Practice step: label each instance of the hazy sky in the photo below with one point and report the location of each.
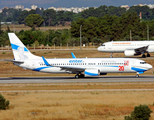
(71, 3)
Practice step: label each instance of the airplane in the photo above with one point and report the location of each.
(82, 67)
(129, 48)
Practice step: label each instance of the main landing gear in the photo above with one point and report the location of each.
(148, 55)
(111, 55)
(79, 75)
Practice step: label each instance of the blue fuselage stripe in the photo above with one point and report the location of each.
(41, 68)
(92, 74)
(138, 69)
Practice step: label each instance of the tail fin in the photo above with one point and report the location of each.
(19, 50)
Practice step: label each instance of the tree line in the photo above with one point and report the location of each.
(94, 28)
(109, 28)
(52, 18)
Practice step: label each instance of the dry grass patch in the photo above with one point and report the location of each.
(76, 86)
(23, 27)
(75, 105)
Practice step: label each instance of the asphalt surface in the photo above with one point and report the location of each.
(101, 79)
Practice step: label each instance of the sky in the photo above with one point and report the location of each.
(71, 3)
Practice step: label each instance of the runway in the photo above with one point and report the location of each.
(100, 79)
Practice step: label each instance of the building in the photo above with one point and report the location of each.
(125, 6)
(27, 9)
(19, 7)
(34, 7)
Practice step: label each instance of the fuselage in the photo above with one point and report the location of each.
(104, 65)
(121, 46)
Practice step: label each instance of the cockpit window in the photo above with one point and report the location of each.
(142, 62)
(102, 45)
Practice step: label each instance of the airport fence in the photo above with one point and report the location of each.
(54, 47)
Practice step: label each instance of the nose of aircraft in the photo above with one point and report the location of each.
(99, 48)
(149, 66)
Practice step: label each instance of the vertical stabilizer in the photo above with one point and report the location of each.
(19, 50)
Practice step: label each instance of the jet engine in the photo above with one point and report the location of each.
(129, 52)
(91, 72)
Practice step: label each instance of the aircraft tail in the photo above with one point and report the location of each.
(20, 52)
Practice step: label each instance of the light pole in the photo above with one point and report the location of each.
(80, 38)
(147, 32)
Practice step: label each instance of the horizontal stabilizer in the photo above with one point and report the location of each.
(14, 61)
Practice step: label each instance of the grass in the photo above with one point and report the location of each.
(76, 86)
(75, 105)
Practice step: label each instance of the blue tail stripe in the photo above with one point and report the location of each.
(15, 47)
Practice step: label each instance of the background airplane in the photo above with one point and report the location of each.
(82, 67)
(129, 48)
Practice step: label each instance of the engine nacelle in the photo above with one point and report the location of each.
(129, 52)
(91, 72)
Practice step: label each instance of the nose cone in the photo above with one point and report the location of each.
(150, 66)
(99, 48)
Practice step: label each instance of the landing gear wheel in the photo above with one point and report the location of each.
(111, 55)
(137, 75)
(143, 56)
(82, 76)
(76, 76)
(148, 55)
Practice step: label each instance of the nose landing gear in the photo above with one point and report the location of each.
(137, 75)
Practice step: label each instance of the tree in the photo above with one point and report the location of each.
(34, 20)
(49, 17)
(97, 41)
(57, 41)
(22, 17)
(4, 104)
(141, 112)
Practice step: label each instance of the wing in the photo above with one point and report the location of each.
(67, 68)
(140, 49)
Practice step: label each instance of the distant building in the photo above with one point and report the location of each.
(27, 9)
(5, 7)
(59, 9)
(151, 6)
(53, 8)
(0, 10)
(19, 7)
(6, 23)
(125, 6)
(34, 7)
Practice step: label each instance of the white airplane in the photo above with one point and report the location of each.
(82, 67)
(129, 48)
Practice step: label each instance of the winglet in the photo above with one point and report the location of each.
(45, 61)
(73, 56)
